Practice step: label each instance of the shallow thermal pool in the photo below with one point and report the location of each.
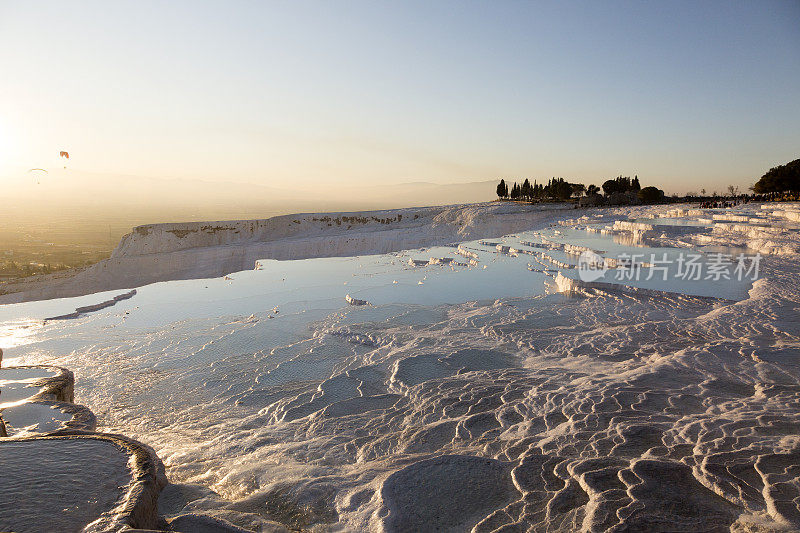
(267, 387)
(311, 284)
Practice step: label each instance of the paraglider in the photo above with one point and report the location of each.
(36, 172)
(65, 155)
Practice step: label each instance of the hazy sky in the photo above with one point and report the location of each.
(684, 94)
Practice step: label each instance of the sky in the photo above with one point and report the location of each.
(320, 95)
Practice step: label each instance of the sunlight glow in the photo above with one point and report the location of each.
(6, 147)
(19, 333)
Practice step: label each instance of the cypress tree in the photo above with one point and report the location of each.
(501, 189)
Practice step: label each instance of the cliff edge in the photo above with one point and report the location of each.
(192, 250)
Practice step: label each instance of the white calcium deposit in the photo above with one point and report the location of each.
(506, 398)
(190, 250)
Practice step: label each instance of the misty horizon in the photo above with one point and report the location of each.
(321, 97)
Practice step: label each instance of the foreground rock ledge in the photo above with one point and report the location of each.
(90, 482)
(38, 399)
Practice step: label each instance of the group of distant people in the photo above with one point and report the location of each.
(713, 204)
(786, 196)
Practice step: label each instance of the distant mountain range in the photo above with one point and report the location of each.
(60, 187)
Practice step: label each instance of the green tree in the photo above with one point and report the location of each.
(780, 179)
(578, 189)
(502, 189)
(610, 187)
(560, 189)
(651, 195)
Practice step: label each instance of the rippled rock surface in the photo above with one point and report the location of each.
(603, 409)
(59, 486)
(78, 483)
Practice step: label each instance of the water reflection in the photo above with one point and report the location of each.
(18, 333)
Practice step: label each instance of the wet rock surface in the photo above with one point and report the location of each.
(59, 474)
(600, 410)
(448, 493)
(86, 482)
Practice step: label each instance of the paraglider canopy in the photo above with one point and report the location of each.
(63, 154)
(38, 173)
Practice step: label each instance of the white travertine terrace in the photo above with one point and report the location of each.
(190, 250)
(586, 406)
(59, 474)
